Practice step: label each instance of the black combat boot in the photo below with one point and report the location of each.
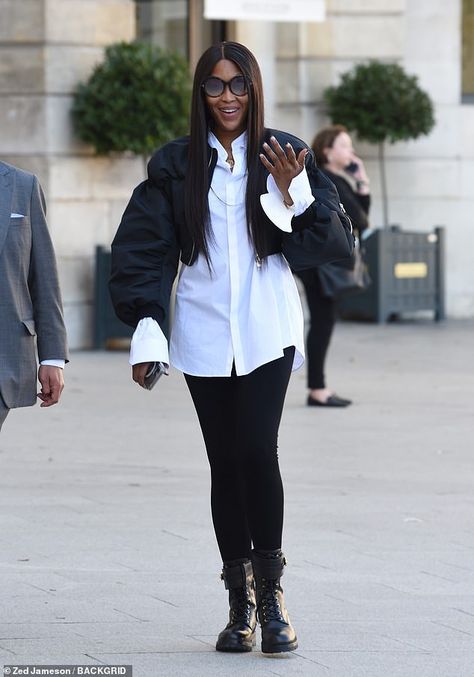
(239, 633)
(278, 634)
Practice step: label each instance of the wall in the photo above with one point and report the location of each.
(46, 47)
(430, 180)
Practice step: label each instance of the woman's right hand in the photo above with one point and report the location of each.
(138, 372)
(360, 174)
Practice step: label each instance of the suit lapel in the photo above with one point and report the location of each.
(6, 195)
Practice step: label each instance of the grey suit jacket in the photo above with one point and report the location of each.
(31, 317)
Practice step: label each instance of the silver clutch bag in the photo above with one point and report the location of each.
(155, 372)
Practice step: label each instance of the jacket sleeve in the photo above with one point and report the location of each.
(145, 256)
(43, 284)
(323, 233)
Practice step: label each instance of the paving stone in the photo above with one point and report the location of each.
(108, 554)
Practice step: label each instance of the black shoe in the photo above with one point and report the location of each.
(239, 633)
(332, 401)
(278, 634)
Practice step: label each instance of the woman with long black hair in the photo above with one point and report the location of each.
(231, 201)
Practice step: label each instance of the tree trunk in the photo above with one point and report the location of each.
(383, 181)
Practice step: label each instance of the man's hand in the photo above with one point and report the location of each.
(139, 371)
(52, 384)
(283, 165)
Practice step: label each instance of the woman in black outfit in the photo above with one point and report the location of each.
(229, 201)
(335, 155)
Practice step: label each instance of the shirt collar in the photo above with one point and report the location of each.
(239, 145)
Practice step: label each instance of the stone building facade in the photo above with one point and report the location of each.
(47, 46)
(430, 180)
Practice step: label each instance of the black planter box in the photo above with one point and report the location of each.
(407, 272)
(107, 326)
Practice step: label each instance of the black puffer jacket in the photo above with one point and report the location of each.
(153, 236)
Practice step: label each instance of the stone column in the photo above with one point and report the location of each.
(259, 37)
(46, 48)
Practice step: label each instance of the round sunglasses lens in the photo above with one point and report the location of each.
(238, 86)
(213, 87)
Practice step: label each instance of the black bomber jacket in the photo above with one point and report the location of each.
(153, 237)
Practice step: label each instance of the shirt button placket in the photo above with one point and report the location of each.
(231, 199)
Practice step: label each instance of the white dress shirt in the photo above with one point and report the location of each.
(53, 363)
(243, 312)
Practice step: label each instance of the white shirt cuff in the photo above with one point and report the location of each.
(53, 363)
(274, 207)
(149, 344)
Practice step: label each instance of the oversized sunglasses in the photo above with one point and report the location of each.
(215, 86)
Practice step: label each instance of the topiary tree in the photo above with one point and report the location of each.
(381, 102)
(136, 100)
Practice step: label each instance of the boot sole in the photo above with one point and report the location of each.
(281, 648)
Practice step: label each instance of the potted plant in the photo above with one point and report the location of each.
(381, 103)
(136, 100)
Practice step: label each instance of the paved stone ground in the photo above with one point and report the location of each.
(108, 556)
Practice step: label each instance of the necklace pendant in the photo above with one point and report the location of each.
(258, 261)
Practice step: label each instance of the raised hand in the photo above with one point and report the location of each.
(360, 175)
(283, 165)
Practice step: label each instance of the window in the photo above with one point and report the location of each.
(164, 23)
(178, 25)
(468, 51)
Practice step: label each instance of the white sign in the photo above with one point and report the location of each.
(265, 10)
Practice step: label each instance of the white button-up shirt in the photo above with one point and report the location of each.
(241, 312)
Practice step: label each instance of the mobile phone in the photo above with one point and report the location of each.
(156, 370)
(352, 167)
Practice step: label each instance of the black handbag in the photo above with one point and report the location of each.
(341, 278)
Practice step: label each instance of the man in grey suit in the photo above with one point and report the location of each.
(31, 318)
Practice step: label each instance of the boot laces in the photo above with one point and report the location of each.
(269, 602)
(241, 606)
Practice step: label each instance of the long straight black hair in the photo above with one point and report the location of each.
(197, 175)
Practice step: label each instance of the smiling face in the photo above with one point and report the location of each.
(228, 111)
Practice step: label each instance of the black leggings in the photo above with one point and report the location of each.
(239, 418)
(322, 312)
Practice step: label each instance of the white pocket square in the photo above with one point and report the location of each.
(17, 216)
